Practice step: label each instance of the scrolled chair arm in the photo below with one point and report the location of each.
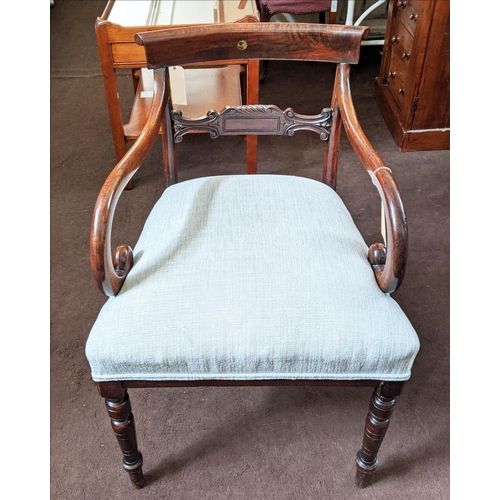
(109, 267)
(388, 261)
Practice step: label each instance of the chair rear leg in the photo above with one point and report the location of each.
(122, 422)
(377, 421)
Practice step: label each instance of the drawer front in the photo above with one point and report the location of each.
(396, 79)
(401, 53)
(401, 40)
(400, 46)
(407, 13)
(128, 54)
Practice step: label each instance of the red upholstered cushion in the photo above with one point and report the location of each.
(296, 6)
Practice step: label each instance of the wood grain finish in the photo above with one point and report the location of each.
(110, 268)
(413, 87)
(118, 50)
(218, 43)
(259, 119)
(377, 422)
(389, 263)
(123, 425)
(223, 42)
(119, 388)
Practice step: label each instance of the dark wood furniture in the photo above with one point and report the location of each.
(312, 42)
(413, 87)
(115, 30)
(269, 8)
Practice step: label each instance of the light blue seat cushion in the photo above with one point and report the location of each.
(251, 277)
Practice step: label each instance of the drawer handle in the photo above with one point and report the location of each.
(392, 74)
(414, 17)
(401, 3)
(406, 55)
(401, 91)
(396, 39)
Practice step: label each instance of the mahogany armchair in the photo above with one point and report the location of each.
(253, 279)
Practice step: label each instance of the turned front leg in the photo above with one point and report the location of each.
(122, 422)
(377, 421)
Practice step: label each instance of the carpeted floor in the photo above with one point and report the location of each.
(237, 443)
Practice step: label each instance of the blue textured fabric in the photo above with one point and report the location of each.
(251, 277)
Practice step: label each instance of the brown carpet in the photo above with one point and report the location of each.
(237, 443)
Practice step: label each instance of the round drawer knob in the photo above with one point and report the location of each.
(395, 39)
(391, 74)
(406, 55)
(414, 17)
(401, 3)
(401, 91)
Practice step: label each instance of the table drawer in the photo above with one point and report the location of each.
(128, 54)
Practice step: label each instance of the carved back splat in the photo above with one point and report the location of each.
(253, 119)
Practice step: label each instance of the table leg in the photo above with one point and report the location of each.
(252, 98)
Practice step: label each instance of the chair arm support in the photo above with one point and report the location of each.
(388, 261)
(111, 268)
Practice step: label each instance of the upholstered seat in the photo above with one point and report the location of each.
(251, 277)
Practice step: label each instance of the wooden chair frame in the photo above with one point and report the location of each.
(117, 50)
(313, 42)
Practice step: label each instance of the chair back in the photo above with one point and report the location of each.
(247, 41)
(222, 43)
(216, 44)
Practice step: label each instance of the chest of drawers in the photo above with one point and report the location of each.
(412, 89)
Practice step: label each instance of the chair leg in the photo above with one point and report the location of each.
(122, 422)
(377, 421)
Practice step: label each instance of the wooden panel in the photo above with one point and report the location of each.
(408, 140)
(407, 13)
(435, 82)
(399, 65)
(178, 46)
(426, 140)
(128, 54)
(417, 59)
(418, 52)
(253, 119)
(390, 111)
(401, 38)
(117, 33)
(396, 81)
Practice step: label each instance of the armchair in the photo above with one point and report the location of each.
(254, 279)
